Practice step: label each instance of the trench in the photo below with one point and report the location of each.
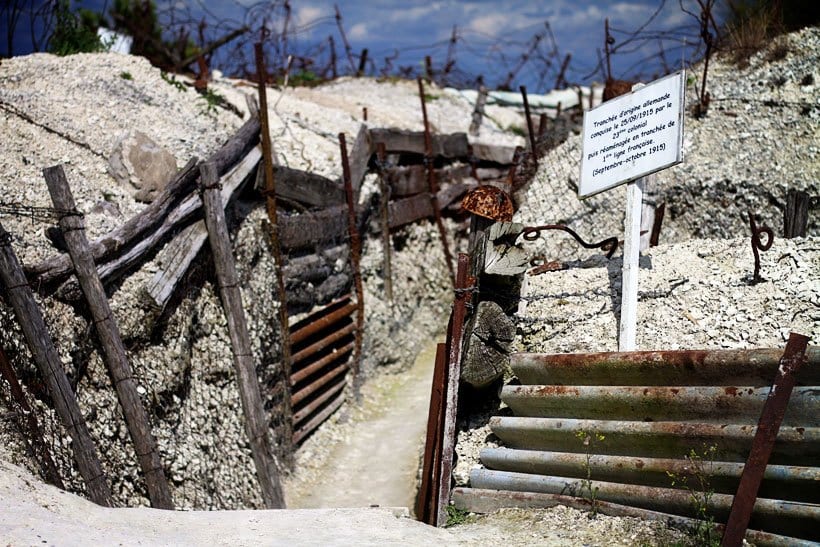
(370, 454)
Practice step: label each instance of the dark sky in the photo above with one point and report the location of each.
(491, 35)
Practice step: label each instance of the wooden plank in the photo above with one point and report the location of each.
(51, 369)
(136, 418)
(360, 154)
(406, 181)
(407, 210)
(502, 155)
(307, 188)
(398, 140)
(315, 228)
(256, 424)
(119, 239)
(178, 255)
(629, 289)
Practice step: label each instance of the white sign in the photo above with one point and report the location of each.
(633, 135)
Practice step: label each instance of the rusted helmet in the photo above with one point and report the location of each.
(489, 202)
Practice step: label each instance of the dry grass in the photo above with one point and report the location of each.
(753, 33)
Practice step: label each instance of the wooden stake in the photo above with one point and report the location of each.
(139, 427)
(51, 369)
(256, 424)
(629, 290)
(381, 154)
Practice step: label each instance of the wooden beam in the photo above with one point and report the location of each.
(256, 424)
(51, 369)
(136, 418)
(399, 140)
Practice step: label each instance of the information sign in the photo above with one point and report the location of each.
(634, 135)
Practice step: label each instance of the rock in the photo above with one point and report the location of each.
(487, 354)
(139, 163)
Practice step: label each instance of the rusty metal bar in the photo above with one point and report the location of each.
(758, 245)
(270, 205)
(308, 390)
(36, 443)
(381, 166)
(300, 375)
(317, 420)
(323, 322)
(433, 185)
(772, 416)
(317, 403)
(609, 245)
(795, 445)
(478, 500)
(355, 256)
(796, 483)
(323, 343)
(464, 287)
(708, 404)
(530, 130)
(748, 367)
(426, 502)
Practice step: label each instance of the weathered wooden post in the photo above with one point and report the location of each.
(796, 214)
(139, 427)
(256, 425)
(51, 369)
(381, 156)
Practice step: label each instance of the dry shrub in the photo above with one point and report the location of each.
(751, 31)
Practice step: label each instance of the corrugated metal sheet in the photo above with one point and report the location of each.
(626, 421)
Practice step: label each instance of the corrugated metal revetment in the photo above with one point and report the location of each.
(321, 345)
(630, 421)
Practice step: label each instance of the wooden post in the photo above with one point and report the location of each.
(381, 155)
(796, 214)
(276, 245)
(256, 425)
(355, 256)
(478, 111)
(51, 369)
(629, 282)
(139, 427)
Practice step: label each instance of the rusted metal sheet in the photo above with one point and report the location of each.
(777, 516)
(337, 354)
(318, 384)
(300, 434)
(707, 404)
(795, 445)
(798, 483)
(478, 500)
(767, 427)
(427, 500)
(323, 343)
(748, 367)
(322, 322)
(397, 140)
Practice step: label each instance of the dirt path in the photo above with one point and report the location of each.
(373, 458)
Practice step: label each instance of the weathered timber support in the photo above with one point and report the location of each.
(796, 214)
(139, 427)
(387, 246)
(27, 423)
(355, 257)
(119, 239)
(51, 369)
(256, 425)
(490, 334)
(359, 158)
(478, 111)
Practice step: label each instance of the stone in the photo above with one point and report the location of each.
(142, 165)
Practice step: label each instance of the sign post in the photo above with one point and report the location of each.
(625, 139)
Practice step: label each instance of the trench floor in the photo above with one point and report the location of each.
(375, 455)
